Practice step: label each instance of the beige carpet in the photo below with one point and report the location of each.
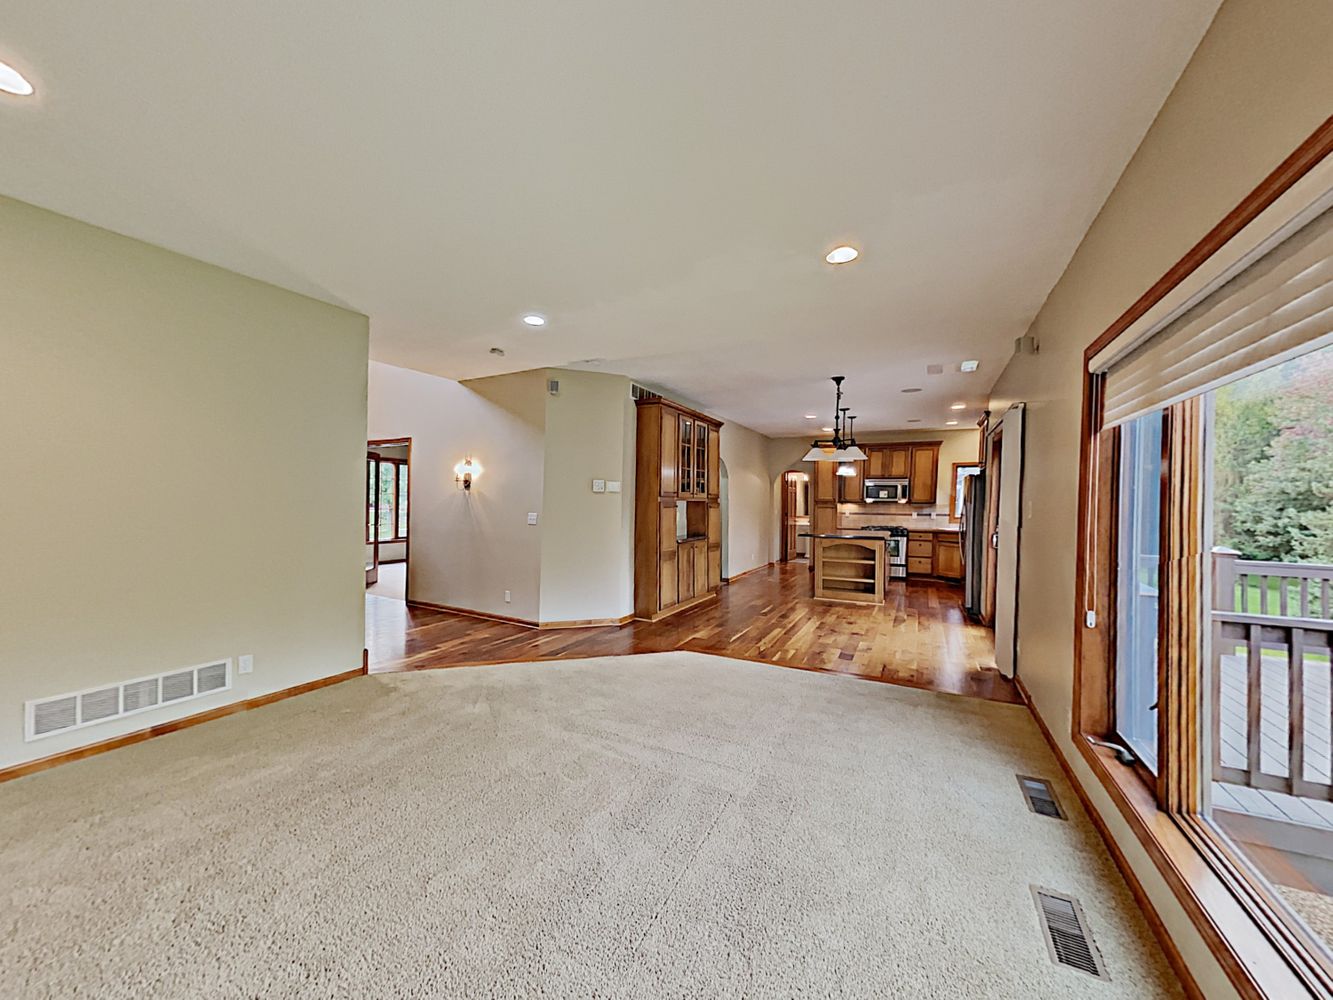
(670, 825)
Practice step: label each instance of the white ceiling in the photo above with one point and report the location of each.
(661, 179)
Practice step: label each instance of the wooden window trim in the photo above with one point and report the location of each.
(1260, 951)
(953, 487)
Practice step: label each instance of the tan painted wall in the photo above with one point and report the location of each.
(587, 552)
(200, 489)
(468, 548)
(1260, 82)
(749, 527)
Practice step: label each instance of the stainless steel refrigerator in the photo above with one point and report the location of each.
(973, 540)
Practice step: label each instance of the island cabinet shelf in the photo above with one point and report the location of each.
(837, 579)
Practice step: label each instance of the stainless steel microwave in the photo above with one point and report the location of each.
(886, 490)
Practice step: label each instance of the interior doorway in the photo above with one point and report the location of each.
(388, 515)
(795, 515)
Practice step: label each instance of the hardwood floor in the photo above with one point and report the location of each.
(919, 637)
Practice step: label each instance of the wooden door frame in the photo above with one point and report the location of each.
(792, 480)
(399, 442)
(994, 446)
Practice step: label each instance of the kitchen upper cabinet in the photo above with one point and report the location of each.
(899, 461)
(852, 488)
(877, 463)
(824, 482)
(925, 460)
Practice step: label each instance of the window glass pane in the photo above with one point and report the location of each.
(370, 499)
(1138, 585)
(402, 501)
(387, 483)
(1268, 746)
(961, 475)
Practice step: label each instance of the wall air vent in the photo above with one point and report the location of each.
(553, 387)
(1066, 931)
(66, 712)
(1040, 797)
(637, 391)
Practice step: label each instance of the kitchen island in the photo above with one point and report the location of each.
(849, 566)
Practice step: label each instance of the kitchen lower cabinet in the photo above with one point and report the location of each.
(948, 556)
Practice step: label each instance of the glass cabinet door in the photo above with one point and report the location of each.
(686, 455)
(701, 459)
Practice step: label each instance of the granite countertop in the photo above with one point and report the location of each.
(872, 536)
(950, 529)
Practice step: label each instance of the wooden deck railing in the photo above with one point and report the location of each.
(1291, 622)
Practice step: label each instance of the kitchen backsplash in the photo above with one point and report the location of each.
(855, 516)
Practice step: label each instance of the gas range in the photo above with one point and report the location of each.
(895, 548)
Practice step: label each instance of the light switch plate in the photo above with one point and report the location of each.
(245, 664)
(599, 485)
(613, 486)
(532, 517)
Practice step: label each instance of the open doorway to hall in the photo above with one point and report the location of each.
(795, 515)
(388, 484)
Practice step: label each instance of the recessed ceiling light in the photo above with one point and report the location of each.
(958, 406)
(951, 422)
(842, 255)
(812, 416)
(968, 366)
(13, 82)
(914, 389)
(827, 430)
(533, 319)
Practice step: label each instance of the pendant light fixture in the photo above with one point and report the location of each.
(839, 449)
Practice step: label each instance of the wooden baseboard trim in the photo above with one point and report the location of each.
(732, 579)
(524, 622)
(471, 613)
(681, 608)
(1150, 914)
(162, 728)
(589, 623)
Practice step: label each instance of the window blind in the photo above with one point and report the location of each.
(1279, 307)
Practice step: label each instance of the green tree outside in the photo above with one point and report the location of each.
(1273, 462)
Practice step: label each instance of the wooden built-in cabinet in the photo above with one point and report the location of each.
(948, 556)
(676, 483)
(935, 553)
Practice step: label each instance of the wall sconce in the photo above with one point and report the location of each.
(465, 471)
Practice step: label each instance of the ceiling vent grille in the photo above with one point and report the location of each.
(1066, 931)
(66, 712)
(1040, 797)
